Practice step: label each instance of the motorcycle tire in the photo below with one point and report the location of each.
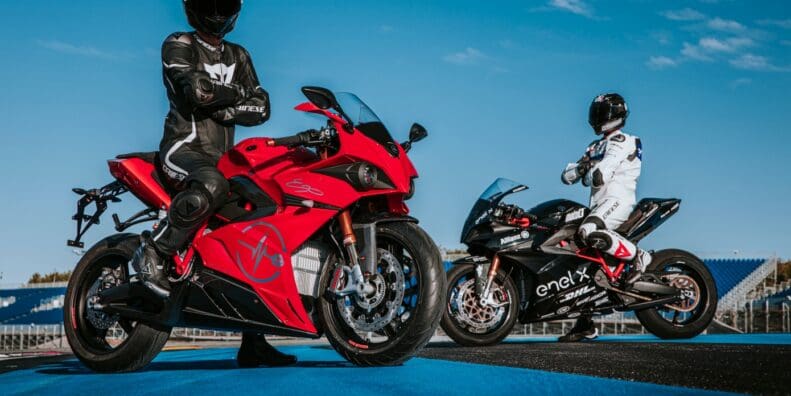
(458, 332)
(143, 342)
(424, 320)
(652, 319)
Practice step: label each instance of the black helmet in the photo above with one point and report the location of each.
(608, 113)
(215, 17)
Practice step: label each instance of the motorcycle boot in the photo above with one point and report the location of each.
(639, 264)
(583, 330)
(149, 264)
(256, 351)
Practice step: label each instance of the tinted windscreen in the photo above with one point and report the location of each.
(366, 121)
(491, 197)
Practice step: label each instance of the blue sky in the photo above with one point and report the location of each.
(502, 86)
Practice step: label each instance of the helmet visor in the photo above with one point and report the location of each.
(599, 114)
(216, 8)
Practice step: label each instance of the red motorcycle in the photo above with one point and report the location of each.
(315, 239)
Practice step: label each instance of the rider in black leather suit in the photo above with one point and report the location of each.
(212, 87)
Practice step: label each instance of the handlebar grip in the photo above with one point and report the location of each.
(301, 138)
(287, 141)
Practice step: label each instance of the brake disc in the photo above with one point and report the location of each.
(690, 290)
(470, 311)
(99, 319)
(374, 311)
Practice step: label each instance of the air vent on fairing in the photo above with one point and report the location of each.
(307, 263)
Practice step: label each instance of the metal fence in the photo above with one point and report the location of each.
(27, 337)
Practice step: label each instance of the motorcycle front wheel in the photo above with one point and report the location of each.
(691, 316)
(103, 342)
(470, 323)
(392, 324)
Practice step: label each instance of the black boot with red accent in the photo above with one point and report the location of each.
(256, 351)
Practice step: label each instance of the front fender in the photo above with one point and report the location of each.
(481, 265)
(376, 218)
(474, 260)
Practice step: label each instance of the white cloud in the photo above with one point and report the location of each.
(662, 37)
(756, 63)
(732, 44)
(573, 6)
(661, 62)
(782, 23)
(470, 56)
(725, 25)
(694, 52)
(71, 49)
(385, 28)
(684, 14)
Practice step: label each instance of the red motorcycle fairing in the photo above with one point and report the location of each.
(138, 176)
(258, 252)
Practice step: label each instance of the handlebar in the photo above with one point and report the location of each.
(311, 137)
(514, 215)
(299, 139)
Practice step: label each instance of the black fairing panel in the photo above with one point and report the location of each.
(215, 301)
(551, 213)
(563, 288)
(649, 214)
(243, 191)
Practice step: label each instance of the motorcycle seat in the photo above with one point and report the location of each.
(153, 159)
(149, 157)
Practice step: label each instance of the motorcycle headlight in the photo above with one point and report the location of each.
(367, 176)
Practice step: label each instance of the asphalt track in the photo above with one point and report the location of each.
(610, 366)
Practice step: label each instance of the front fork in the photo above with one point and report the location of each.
(355, 272)
(485, 289)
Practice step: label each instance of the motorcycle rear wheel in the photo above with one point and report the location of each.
(668, 323)
(104, 343)
(420, 301)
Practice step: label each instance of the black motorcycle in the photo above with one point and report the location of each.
(529, 265)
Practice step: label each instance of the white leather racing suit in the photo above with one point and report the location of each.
(610, 167)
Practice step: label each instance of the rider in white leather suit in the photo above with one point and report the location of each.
(610, 167)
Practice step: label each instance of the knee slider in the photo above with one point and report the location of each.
(600, 240)
(189, 208)
(211, 182)
(591, 224)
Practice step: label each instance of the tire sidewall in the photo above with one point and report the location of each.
(428, 309)
(653, 321)
(466, 338)
(126, 357)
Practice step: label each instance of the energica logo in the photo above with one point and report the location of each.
(268, 251)
(563, 283)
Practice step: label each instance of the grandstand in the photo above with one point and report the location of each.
(32, 304)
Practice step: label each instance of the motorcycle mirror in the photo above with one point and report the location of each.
(417, 133)
(323, 98)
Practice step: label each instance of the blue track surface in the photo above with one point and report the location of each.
(751, 339)
(320, 372)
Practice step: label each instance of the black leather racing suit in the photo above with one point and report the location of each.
(211, 90)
